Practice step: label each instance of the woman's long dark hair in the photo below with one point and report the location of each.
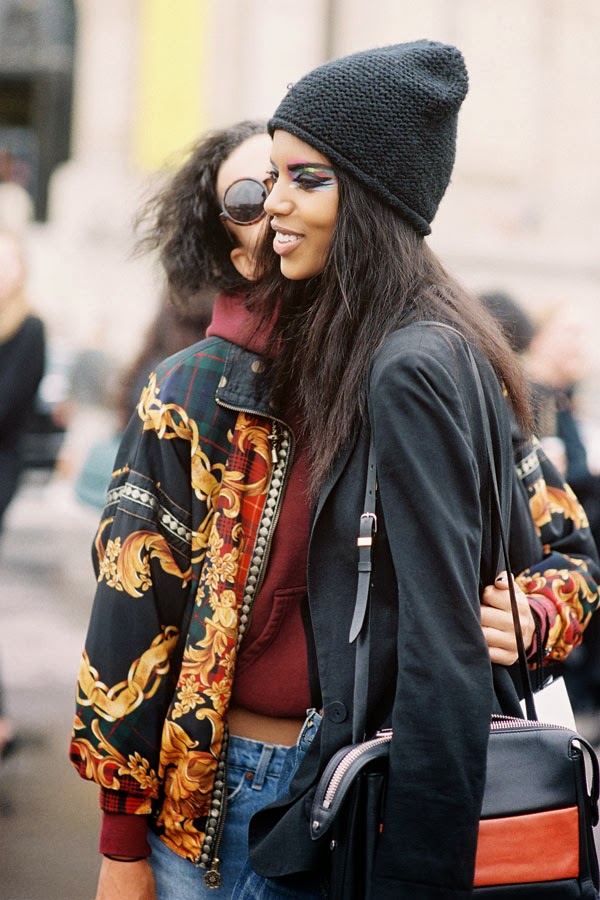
(380, 275)
(181, 220)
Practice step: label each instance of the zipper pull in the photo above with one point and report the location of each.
(274, 438)
(213, 878)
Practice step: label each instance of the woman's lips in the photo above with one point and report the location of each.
(285, 241)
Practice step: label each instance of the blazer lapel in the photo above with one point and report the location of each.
(334, 476)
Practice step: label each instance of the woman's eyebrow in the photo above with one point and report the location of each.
(294, 166)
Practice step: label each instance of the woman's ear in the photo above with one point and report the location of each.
(243, 261)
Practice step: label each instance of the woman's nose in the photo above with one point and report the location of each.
(277, 203)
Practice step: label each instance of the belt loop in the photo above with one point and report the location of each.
(262, 768)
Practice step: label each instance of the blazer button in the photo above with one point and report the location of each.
(336, 711)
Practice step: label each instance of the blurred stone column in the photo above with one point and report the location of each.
(106, 298)
(257, 48)
(90, 195)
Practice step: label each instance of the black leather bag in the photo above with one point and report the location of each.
(348, 810)
(536, 837)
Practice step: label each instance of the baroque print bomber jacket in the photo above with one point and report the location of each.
(563, 588)
(179, 555)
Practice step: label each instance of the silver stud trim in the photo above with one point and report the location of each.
(264, 535)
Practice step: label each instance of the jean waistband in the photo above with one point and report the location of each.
(248, 753)
(309, 729)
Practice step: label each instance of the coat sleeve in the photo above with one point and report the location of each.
(143, 571)
(563, 585)
(429, 487)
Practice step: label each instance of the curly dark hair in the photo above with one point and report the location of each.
(181, 220)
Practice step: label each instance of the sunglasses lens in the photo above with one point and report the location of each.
(243, 201)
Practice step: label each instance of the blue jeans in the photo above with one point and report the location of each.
(256, 774)
(250, 885)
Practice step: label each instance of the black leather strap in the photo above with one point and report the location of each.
(367, 530)
(360, 627)
(523, 668)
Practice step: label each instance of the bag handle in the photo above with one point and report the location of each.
(523, 668)
(360, 627)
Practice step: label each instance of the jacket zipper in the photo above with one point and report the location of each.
(281, 456)
(274, 439)
(212, 877)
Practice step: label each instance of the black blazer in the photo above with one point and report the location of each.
(430, 674)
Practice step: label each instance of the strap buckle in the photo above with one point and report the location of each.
(368, 527)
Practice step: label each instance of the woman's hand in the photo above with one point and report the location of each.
(497, 621)
(120, 880)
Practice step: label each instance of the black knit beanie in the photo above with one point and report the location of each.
(387, 117)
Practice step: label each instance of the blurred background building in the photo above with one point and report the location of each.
(97, 99)
(96, 96)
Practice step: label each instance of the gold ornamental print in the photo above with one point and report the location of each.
(205, 681)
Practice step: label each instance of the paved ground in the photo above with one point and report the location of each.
(48, 816)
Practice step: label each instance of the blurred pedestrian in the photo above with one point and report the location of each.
(8, 738)
(553, 347)
(512, 318)
(22, 358)
(171, 330)
(519, 329)
(558, 364)
(22, 352)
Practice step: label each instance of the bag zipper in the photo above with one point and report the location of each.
(385, 735)
(500, 722)
(381, 737)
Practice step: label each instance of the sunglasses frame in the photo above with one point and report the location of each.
(225, 216)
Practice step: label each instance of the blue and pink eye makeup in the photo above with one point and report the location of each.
(311, 176)
(308, 176)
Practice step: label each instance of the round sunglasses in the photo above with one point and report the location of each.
(243, 201)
